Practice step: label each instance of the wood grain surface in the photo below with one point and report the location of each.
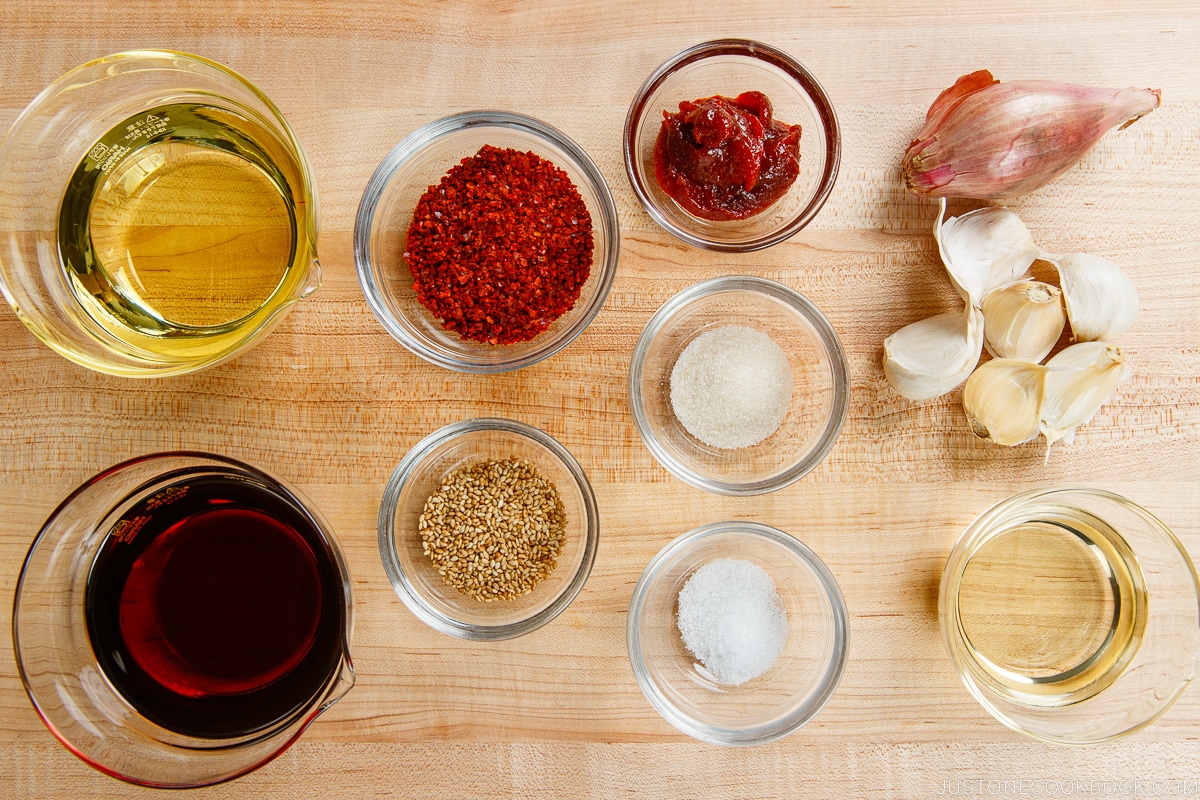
(331, 403)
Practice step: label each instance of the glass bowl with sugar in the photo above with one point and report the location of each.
(739, 385)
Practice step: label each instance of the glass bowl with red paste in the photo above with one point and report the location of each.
(732, 145)
(486, 241)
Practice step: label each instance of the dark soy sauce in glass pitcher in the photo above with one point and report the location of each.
(214, 608)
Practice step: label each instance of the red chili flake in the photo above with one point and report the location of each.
(501, 247)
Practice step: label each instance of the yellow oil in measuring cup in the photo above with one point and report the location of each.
(180, 228)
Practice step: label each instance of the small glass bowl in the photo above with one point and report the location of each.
(820, 394)
(1134, 645)
(413, 575)
(385, 212)
(729, 67)
(777, 702)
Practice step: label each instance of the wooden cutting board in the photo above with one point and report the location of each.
(330, 402)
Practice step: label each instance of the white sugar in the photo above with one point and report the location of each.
(731, 387)
(732, 620)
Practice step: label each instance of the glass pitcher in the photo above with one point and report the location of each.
(92, 657)
(159, 215)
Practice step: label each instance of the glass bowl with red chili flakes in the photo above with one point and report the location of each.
(732, 145)
(486, 241)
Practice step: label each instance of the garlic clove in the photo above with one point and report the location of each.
(989, 139)
(1101, 300)
(1023, 320)
(1002, 398)
(983, 250)
(932, 356)
(1079, 380)
(1085, 355)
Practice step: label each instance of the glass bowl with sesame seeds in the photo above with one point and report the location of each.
(488, 529)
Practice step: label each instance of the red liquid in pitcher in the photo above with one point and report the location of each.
(214, 608)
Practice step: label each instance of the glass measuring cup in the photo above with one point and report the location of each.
(84, 681)
(160, 215)
(1072, 615)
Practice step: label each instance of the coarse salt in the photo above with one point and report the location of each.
(731, 387)
(732, 620)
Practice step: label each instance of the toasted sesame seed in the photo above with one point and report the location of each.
(494, 529)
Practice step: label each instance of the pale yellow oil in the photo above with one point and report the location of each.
(1052, 609)
(181, 229)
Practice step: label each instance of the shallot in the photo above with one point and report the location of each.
(988, 139)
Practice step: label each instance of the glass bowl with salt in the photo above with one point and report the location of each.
(737, 633)
(739, 385)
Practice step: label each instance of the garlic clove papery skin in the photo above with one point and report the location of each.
(1002, 398)
(984, 250)
(987, 139)
(1101, 300)
(1079, 380)
(931, 357)
(1023, 320)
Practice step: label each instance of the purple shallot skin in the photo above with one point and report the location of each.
(988, 140)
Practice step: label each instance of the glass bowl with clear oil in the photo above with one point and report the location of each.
(1072, 615)
(160, 214)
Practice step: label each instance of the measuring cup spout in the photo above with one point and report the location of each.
(312, 281)
(343, 683)
(1194, 654)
